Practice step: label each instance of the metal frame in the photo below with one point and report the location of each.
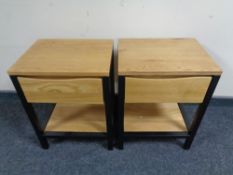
(108, 110)
(30, 113)
(107, 84)
(75, 134)
(157, 134)
(200, 112)
(113, 95)
(120, 112)
(192, 130)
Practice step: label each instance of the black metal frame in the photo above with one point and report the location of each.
(108, 110)
(192, 130)
(120, 105)
(201, 112)
(108, 97)
(30, 113)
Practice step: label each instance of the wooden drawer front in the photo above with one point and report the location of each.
(146, 90)
(85, 90)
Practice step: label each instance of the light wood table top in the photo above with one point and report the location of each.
(63, 57)
(164, 57)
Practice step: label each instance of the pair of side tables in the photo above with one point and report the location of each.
(136, 94)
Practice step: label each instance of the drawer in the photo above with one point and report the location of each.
(180, 90)
(64, 90)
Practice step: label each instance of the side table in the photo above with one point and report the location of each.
(77, 76)
(154, 77)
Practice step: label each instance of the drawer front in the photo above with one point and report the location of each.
(180, 90)
(81, 90)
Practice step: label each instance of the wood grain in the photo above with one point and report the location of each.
(69, 90)
(164, 57)
(164, 117)
(65, 57)
(77, 118)
(179, 90)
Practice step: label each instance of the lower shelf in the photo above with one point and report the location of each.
(163, 117)
(153, 117)
(77, 118)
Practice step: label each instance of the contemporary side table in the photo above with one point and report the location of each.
(76, 75)
(155, 76)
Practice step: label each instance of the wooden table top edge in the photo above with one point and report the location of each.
(151, 39)
(11, 72)
(217, 72)
(168, 74)
(59, 74)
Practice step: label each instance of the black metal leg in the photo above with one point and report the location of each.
(120, 111)
(30, 113)
(108, 110)
(200, 112)
(113, 96)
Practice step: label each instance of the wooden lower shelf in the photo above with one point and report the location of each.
(77, 118)
(153, 117)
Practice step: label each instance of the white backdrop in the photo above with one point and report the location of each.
(210, 21)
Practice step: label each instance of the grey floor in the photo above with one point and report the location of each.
(20, 153)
